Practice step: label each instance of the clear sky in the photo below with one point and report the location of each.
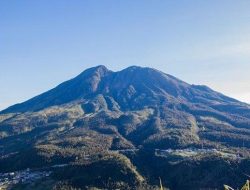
(45, 42)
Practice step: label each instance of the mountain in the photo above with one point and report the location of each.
(125, 129)
(125, 87)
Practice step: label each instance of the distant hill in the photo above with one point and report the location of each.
(126, 129)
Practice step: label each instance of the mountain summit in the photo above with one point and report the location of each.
(135, 85)
(130, 127)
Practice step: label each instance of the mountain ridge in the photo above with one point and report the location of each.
(91, 85)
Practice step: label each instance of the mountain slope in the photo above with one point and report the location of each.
(127, 118)
(129, 83)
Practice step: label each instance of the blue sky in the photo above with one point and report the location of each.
(45, 42)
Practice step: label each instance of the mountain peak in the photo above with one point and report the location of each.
(136, 68)
(134, 86)
(100, 70)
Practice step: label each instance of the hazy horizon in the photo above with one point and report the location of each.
(44, 43)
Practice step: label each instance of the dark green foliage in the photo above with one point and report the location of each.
(110, 171)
